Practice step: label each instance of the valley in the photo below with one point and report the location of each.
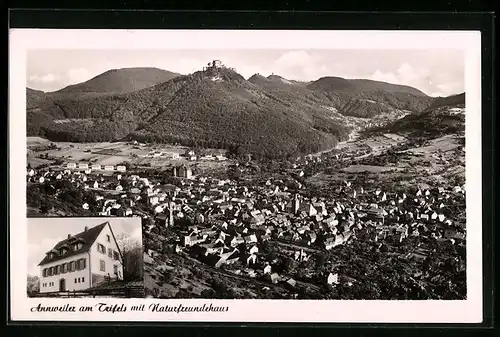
(266, 188)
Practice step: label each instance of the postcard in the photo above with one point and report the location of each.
(245, 176)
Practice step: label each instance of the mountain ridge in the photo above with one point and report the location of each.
(217, 107)
(445, 115)
(120, 80)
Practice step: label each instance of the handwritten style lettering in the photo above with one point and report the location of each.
(103, 307)
(62, 308)
(157, 307)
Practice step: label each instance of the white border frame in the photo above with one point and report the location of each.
(356, 311)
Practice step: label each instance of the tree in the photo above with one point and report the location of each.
(132, 255)
(320, 261)
(208, 293)
(45, 206)
(33, 285)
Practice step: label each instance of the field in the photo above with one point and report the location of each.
(368, 168)
(442, 144)
(108, 153)
(436, 162)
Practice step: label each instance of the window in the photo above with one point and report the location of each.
(72, 266)
(64, 268)
(76, 280)
(101, 248)
(110, 253)
(102, 266)
(83, 264)
(109, 239)
(57, 270)
(44, 272)
(83, 279)
(115, 269)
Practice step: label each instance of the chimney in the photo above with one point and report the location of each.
(86, 228)
(69, 236)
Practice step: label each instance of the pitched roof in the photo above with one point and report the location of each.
(87, 237)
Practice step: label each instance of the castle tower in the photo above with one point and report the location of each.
(170, 214)
(295, 204)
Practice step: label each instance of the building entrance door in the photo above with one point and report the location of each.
(62, 285)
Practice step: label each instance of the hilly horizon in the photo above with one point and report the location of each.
(267, 116)
(121, 80)
(445, 115)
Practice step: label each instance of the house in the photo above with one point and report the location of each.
(251, 259)
(424, 216)
(82, 261)
(121, 168)
(185, 172)
(291, 282)
(253, 250)
(109, 168)
(293, 206)
(83, 166)
(308, 209)
(193, 239)
(274, 277)
(255, 218)
(332, 279)
(71, 166)
(267, 269)
(375, 214)
(311, 238)
(333, 241)
(171, 155)
(250, 239)
(320, 207)
(96, 167)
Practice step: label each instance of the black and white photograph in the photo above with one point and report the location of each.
(85, 257)
(274, 169)
(325, 174)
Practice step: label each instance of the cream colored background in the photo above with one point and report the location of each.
(469, 310)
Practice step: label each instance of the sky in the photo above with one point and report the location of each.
(438, 72)
(45, 233)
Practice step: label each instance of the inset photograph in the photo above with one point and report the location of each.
(85, 257)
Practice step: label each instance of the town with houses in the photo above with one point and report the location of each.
(248, 232)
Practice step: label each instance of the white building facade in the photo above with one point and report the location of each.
(82, 261)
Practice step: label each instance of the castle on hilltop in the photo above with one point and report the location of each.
(213, 65)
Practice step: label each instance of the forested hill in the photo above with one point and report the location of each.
(121, 81)
(266, 116)
(445, 115)
(331, 84)
(453, 101)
